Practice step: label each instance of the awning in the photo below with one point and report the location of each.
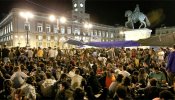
(74, 42)
(114, 44)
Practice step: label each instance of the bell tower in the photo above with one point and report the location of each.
(78, 12)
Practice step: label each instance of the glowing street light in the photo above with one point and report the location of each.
(59, 20)
(26, 15)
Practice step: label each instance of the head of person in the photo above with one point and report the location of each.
(126, 81)
(119, 78)
(78, 94)
(121, 92)
(64, 85)
(153, 82)
(156, 69)
(16, 68)
(77, 71)
(166, 95)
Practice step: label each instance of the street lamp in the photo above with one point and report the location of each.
(27, 15)
(59, 20)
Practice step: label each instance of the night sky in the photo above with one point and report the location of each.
(110, 12)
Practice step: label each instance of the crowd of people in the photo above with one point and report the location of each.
(87, 74)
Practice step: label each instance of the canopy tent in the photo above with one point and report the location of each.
(159, 40)
(113, 44)
(74, 42)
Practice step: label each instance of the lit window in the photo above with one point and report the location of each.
(107, 34)
(11, 26)
(48, 29)
(48, 44)
(112, 35)
(99, 33)
(40, 38)
(48, 38)
(62, 30)
(56, 39)
(69, 30)
(55, 29)
(76, 9)
(40, 27)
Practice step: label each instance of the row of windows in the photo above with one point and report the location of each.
(6, 38)
(6, 29)
(75, 32)
(40, 38)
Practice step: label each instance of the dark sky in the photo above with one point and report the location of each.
(110, 12)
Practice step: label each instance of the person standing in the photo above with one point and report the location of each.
(5, 54)
(171, 65)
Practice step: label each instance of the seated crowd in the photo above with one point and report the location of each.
(85, 74)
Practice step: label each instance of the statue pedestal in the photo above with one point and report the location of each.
(136, 34)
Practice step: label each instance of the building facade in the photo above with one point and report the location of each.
(44, 33)
(164, 30)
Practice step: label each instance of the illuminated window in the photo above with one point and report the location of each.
(40, 38)
(69, 30)
(55, 29)
(48, 38)
(62, 30)
(48, 30)
(39, 27)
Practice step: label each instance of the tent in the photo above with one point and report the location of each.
(113, 44)
(74, 42)
(159, 40)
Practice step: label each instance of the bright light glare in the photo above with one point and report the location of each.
(63, 20)
(87, 25)
(26, 14)
(29, 14)
(16, 36)
(52, 18)
(21, 37)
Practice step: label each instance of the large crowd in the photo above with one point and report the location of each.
(87, 74)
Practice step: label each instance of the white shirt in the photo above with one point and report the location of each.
(30, 53)
(76, 81)
(51, 53)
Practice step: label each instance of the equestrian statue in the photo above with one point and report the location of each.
(135, 16)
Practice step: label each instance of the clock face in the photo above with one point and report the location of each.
(81, 5)
(75, 5)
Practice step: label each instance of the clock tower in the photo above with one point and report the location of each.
(78, 12)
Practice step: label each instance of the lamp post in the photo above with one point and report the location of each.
(27, 15)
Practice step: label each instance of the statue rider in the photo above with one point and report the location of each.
(137, 9)
(136, 12)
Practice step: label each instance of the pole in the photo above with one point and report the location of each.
(27, 29)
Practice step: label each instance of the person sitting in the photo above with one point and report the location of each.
(158, 75)
(78, 94)
(64, 93)
(152, 91)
